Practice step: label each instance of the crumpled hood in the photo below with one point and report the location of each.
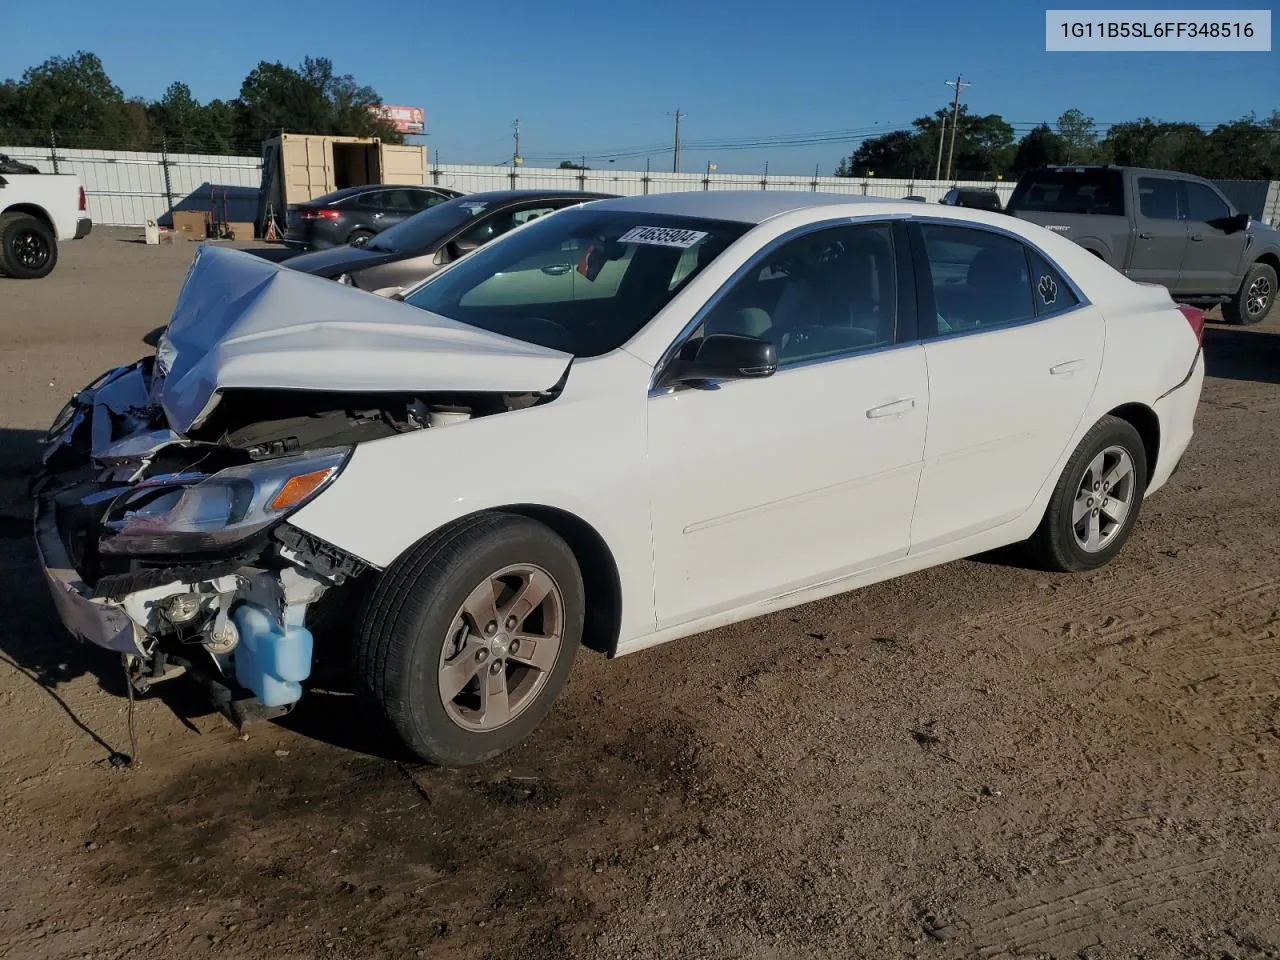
(243, 322)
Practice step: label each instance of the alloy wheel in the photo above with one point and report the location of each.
(501, 647)
(1103, 499)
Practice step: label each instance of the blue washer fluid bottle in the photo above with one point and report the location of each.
(272, 659)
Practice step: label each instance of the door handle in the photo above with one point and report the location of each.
(894, 409)
(1071, 366)
(1144, 236)
(556, 269)
(1196, 236)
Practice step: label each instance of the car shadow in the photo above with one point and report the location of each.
(34, 644)
(1242, 353)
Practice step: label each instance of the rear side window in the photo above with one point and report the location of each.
(980, 279)
(1158, 198)
(1098, 192)
(1203, 204)
(1049, 291)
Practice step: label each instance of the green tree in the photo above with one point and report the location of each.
(74, 97)
(1079, 137)
(1041, 147)
(310, 99)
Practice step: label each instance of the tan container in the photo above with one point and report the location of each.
(311, 165)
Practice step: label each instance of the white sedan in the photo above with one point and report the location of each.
(623, 424)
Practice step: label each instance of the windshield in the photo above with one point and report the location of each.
(1070, 191)
(584, 281)
(428, 227)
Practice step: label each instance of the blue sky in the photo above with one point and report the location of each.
(605, 78)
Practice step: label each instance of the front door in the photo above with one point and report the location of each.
(762, 487)
(1214, 258)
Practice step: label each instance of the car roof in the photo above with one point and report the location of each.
(505, 196)
(743, 206)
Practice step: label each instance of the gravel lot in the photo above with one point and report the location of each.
(975, 761)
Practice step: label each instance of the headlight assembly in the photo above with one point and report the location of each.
(168, 516)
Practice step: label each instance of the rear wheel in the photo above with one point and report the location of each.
(1096, 501)
(467, 640)
(1256, 298)
(358, 238)
(28, 248)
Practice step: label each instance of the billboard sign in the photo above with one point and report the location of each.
(404, 119)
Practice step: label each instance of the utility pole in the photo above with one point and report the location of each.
(955, 114)
(675, 153)
(942, 135)
(516, 159)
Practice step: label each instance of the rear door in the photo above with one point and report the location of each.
(1160, 240)
(1211, 263)
(1013, 353)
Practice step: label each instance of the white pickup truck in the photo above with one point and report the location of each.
(37, 212)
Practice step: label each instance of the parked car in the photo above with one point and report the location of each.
(355, 214)
(417, 247)
(626, 423)
(972, 197)
(1157, 226)
(37, 212)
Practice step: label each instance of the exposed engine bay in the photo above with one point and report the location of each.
(175, 549)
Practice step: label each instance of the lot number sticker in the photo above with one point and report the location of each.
(662, 237)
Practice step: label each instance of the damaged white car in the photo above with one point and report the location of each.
(624, 424)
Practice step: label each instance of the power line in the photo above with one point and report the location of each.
(955, 114)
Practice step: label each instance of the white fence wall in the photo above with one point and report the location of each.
(127, 188)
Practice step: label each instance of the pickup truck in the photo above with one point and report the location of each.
(1160, 227)
(37, 212)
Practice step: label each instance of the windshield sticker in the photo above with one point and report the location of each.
(662, 237)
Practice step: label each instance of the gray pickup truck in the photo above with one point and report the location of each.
(1156, 226)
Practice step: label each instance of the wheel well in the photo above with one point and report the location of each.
(600, 579)
(1271, 260)
(1143, 419)
(1097, 253)
(32, 210)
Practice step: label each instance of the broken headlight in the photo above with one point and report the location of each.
(186, 515)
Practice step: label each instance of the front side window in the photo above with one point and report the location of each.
(584, 281)
(1203, 204)
(1158, 198)
(824, 294)
(980, 278)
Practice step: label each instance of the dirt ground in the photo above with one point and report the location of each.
(977, 761)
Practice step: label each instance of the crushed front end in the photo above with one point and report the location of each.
(175, 551)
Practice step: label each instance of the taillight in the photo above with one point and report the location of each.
(325, 214)
(1195, 317)
(84, 201)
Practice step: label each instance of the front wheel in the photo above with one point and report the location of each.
(358, 238)
(28, 248)
(1096, 501)
(466, 641)
(1256, 298)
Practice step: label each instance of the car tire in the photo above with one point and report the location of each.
(1256, 298)
(418, 637)
(358, 237)
(28, 248)
(1095, 477)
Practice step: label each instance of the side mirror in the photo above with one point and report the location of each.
(1239, 222)
(724, 356)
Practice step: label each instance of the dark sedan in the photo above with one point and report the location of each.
(419, 246)
(355, 214)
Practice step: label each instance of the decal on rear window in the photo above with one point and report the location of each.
(1048, 289)
(662, 236)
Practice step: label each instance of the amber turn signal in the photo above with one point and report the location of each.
(298, 488)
